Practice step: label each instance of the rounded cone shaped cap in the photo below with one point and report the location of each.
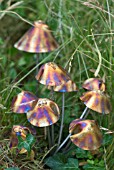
(52, 75)
(85, 134)
(96, 101)
(69, 86)
(37, 39)
(23, 102)
(45, 113)
(94, 84)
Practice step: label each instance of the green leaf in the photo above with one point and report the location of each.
(71, 164)
(56, 162)
(59, 161)
(27, 144)
(21, 62)
(80, 153)
(92, 167)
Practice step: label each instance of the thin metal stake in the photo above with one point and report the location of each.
(62, 119)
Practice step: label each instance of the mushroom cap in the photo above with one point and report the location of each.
(18, 130)
(97, 101)
(68, 86)
(94, 84)
(85, 134)
(45, 113)
(52, 75)
(37, 39)
(23, 102)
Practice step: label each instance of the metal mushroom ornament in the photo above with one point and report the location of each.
(85, 134)
(37, 39)
(45, 113)
(96, 99)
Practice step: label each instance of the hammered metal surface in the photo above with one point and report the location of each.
(37, 39)
(52, 75)
(85, 134)
(94, 84)
(23, 102)
(68, 86)
(45, 113)
(97, 101)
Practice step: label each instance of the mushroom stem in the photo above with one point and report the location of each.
(62, 119)
(52, 133)
(37, 68)
(49, 138)
(62, 143)
(84, 112)
(52, 127)
(81, 117)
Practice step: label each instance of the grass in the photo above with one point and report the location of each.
(84, 30)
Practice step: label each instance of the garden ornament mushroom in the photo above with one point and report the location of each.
(37, 39)
(97, 101)
(45, 113)
(21, 131)
(85, 134)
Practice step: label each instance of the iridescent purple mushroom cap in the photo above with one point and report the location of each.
(94, 84)
(37, 39)
(85, 134)
(23, 102)
(51, 74)
(45, 113)
(97, 101)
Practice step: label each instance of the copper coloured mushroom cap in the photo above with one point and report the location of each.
(23, 102)
(97, 101)
(94, 84)
(37, 39)
(68, 86)
(52, 75)
(18, 130)
(45, 113)
(85, 134)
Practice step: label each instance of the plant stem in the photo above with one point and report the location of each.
(62, 119)
(81, 117)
